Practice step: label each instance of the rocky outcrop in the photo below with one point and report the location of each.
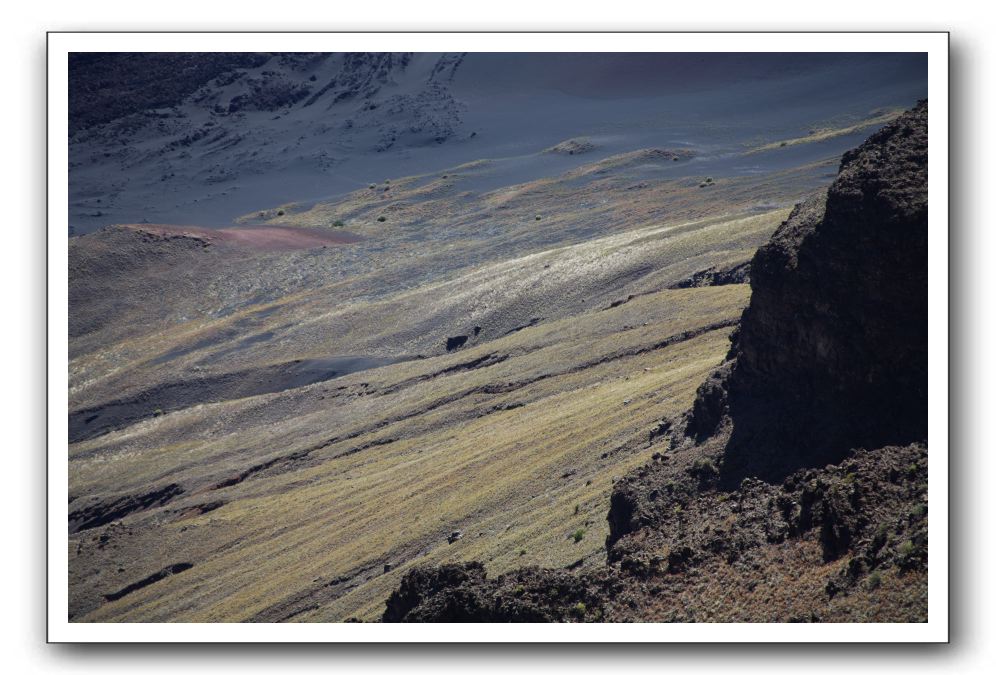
(737, 274)
(464, 593)
(832, 350)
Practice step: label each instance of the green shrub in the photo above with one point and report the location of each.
(874, 580)
(577, 509)
(381, 219)
(280, 212)
(905, 549)
(338, 223)
(522, 552)
(704, 468)
(539, 217)
(580, 610)
(881, 536)
(578, 535)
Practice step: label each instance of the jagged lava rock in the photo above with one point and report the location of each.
(832, 350)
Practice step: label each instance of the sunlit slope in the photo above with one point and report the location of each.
(202, 499)
(336, 318)
(503, 452)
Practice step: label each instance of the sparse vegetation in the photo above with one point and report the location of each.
(578, 535)
(704, 468)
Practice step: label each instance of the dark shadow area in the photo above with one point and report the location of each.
(171, 396)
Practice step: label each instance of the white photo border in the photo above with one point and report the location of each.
(934, 44)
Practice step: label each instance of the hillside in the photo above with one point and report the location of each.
(795, 488)
(245, 443)
(344, 318)
(201, 139)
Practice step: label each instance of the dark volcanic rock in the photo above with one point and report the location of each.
(738, 274)
(832, 350)
(462, 593)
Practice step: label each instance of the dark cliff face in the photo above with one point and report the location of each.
(832, 351)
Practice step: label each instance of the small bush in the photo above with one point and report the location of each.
(580, 610)
(280, 212)
(338, 223)
(522, 552)
(577, 509)
(704, 467)
(578, 535)
(881, 537)
(874, 580)
(539, 218)
(905, 549)
(157, 412)
(381, 219)
(519, 590)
